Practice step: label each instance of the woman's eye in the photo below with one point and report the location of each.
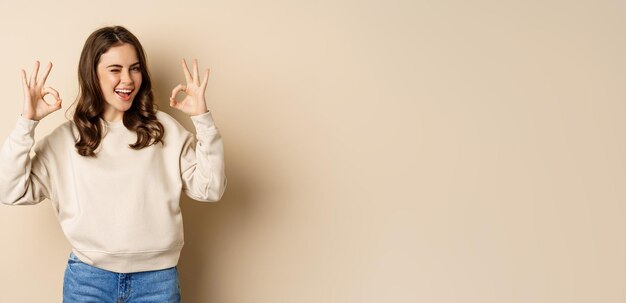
(136, 68)
(115, 70)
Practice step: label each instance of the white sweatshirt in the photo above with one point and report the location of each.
(119, 211)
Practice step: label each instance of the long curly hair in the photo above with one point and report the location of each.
(140, 117)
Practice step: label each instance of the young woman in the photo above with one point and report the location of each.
(115, 173)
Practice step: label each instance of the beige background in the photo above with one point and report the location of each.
(377, 151)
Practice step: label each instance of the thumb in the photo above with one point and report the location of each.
(50, 91)
(57, 105)
(174, 103)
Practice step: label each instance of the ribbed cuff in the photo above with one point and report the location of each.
(24, 125)
(203, 122)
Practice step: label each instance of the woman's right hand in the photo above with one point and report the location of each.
(35, 107)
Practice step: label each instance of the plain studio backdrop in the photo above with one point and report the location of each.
(377, 151)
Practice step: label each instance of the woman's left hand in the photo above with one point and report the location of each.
(193, 104)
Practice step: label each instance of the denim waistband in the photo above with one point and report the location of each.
(74, 257)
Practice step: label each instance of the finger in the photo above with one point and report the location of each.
(173, 103)
(33, 77)
(206, 78)
(57, 105)
(46, 73)
(50, 91)
(196, 80)
(177, 89)
(186, 71)
(25, 82)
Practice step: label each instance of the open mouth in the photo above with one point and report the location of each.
(124, 94)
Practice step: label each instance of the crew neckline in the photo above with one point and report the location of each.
(114, 124)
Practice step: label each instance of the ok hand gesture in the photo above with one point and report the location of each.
(193, 104)
(35, 107)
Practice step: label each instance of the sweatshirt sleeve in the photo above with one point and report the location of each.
(23, 180)
(202, 161)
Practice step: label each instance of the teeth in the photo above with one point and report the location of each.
(127, 91)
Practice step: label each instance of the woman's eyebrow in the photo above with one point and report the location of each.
(117, 65)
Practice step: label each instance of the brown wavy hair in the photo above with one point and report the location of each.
(140, 117)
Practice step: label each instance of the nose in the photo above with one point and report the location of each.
(125, 78)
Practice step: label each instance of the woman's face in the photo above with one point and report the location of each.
(119, 74)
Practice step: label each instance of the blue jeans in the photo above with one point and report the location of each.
(85, 283)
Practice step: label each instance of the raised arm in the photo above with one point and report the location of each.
(202, 157)
(25, 180)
